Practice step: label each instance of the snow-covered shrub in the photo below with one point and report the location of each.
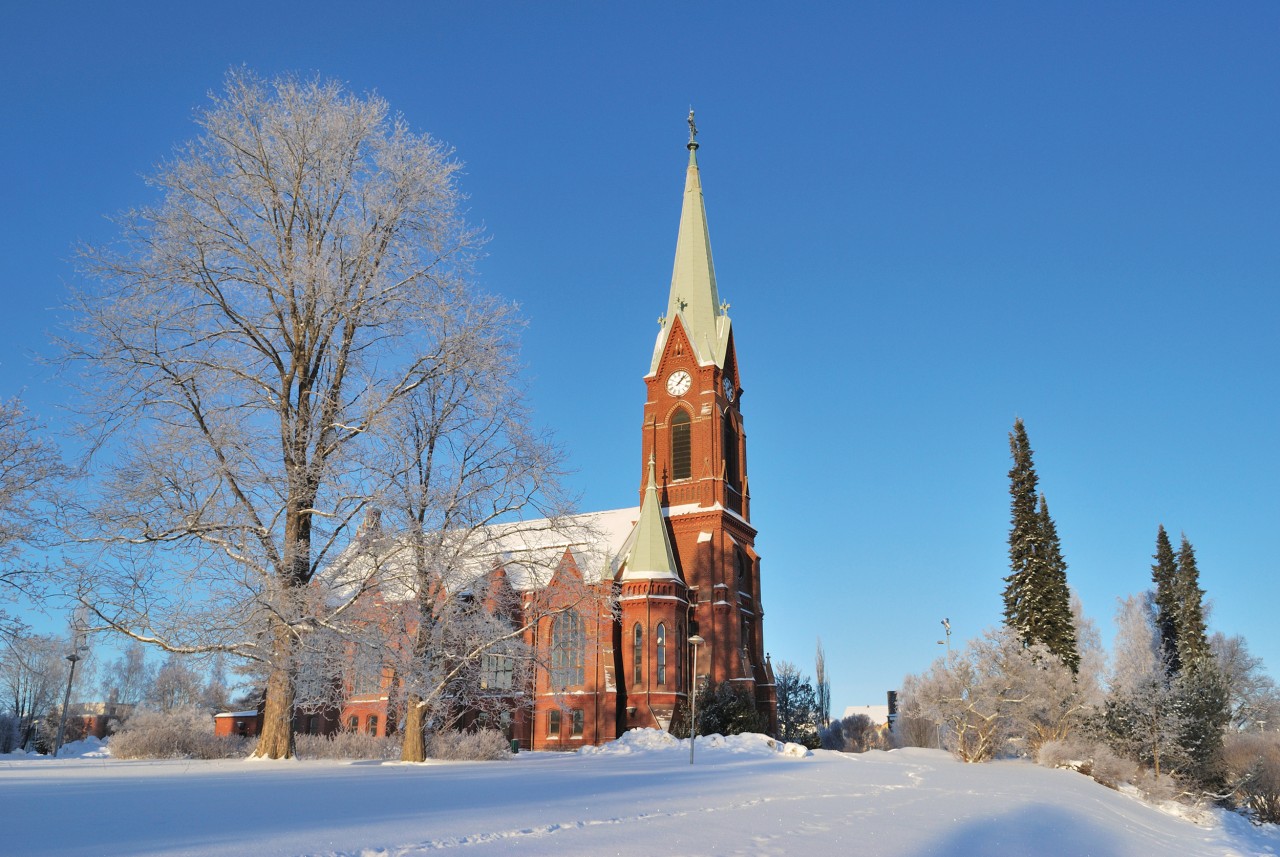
(856, 733)
(346, 745)
(482, 746)
(183, 733)
(1091, 758)
(1251, 763)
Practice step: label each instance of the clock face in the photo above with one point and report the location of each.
(679, 382)
(727, 386)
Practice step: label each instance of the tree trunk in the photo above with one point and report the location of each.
(414, 748)
(276, 739)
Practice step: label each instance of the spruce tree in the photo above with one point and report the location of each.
(1037, 603)
(1193, 644)
(1021, 595)
(1058, 625)
(1168, 604)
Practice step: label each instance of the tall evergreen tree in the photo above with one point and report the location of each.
(1165, 574)
(1058, 624)
(1021, 602)
(1193, 642)
(1037, 602)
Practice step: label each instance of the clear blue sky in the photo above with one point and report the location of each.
(928, 219)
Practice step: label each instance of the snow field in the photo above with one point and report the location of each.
(745, 795)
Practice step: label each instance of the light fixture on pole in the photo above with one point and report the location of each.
(946, 623)
(694, 641)
(77, 646)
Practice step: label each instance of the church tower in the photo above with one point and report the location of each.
(694, 466)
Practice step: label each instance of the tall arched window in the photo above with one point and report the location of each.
(731, 467)
(661, 638)
(681, 449)
(639, 653)
(568, 650)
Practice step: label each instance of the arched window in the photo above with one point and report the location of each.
(639, 653)
(372, 725)
(568, 650)
(731, 467)
(661, 637)
(681, 449)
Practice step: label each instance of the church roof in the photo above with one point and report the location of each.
(529, 552)
(650, 556)
(694, 298)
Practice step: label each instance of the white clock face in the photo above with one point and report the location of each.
(679, 382)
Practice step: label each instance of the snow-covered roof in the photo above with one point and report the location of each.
(529, 552)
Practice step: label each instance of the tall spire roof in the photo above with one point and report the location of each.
(651, 555)
(694, 298)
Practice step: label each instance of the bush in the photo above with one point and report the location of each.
(485, 745)
(183, 733)
(1252, 767)
(728, 709)
(346, 745)
(1091, 758)
(856, 733)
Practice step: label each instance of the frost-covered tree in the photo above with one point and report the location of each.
(243, 347)
(798, 713)
(31, 469)
(128, 679)
(997, 694)
(1253, 698)
(1142, 718)
(33, 673)
(176, 685)
(1037, 601)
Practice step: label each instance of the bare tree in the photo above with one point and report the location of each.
(30, 469)
(33, 670)
(998, 694)
(1254, 697)
(822, 689)
(243, 349)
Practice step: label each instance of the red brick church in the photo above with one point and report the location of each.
(681, 565)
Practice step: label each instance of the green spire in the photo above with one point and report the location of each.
(651, 555)
(694, 298)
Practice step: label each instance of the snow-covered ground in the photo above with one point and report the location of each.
(637, 797)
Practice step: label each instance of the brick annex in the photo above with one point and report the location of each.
(680, 565)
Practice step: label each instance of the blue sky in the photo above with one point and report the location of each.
(929, 219)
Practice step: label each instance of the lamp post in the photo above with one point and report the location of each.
(694, 641)
(77, 646)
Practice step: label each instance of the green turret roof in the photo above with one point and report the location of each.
(651, 555)
(694, 298)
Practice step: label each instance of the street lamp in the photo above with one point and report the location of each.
(946, 623)
(77, 646)
(694, 641)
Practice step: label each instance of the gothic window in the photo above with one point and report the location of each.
(496, 672)
(731, 453)
(639, 653)
(681, 448)
(568, 650)
(662, 653)
(577, 722)
(553, 723)
(353, 723)
(371, 725)
(740, 566)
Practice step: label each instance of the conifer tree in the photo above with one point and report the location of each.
(1165, 575)
(1058, 624)
(1037, 603)
(1025, 555)
(1193, 643)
